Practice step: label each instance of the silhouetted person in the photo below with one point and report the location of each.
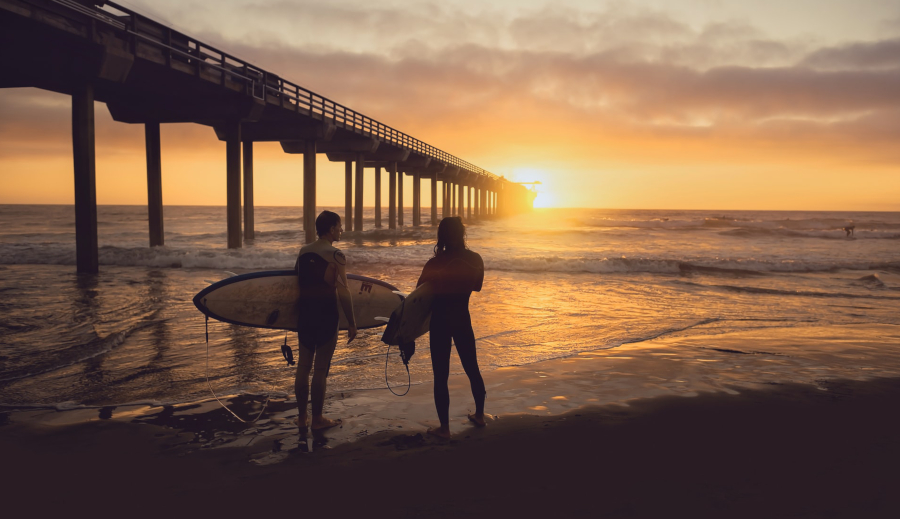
(849, 230)
(454, 273)
(322, 276)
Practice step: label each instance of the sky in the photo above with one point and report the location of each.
(681, 104)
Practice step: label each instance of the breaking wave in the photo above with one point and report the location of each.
(415, 256)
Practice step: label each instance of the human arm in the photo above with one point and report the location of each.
(426, 275)
(343, 293)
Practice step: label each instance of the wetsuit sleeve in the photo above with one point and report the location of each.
(478, 275)
(427, 273)
(343, 291)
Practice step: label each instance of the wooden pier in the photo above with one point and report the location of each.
(150, 74)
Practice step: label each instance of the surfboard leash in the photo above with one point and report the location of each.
(265, 404)
(387, 356)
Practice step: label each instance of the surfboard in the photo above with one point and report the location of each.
(268, 300)
(411, 319)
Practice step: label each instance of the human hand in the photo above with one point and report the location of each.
(351, 333)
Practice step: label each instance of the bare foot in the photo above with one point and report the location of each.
(320, 422)
(302, 421)
(442, 432)
(477, 419)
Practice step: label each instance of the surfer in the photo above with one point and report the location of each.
(321, 272)
(454, 272)
(849, 230)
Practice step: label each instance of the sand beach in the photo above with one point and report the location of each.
(639, 431)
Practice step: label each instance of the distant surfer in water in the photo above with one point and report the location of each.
(321, 272)
(454, 273)
(849, 230)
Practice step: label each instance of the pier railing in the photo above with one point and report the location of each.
(152, 40)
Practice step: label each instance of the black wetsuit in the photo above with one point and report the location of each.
(454, 276)
(318, 315)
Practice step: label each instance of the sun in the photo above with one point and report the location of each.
(543, 184)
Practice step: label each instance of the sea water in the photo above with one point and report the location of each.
(558, 282)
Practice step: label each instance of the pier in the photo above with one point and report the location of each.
(150, 74)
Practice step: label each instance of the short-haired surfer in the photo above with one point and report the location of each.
(321, 272)
(454, 273)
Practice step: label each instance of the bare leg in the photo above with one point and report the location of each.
(301, 385)
(319, 381)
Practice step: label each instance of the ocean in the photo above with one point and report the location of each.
(559, 282)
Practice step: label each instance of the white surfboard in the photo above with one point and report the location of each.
(268, 300)
(411, 319)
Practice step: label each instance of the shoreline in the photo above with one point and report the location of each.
(637, 431)
(670, 365)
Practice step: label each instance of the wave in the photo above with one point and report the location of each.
(94, 347)
(826, 235)
(801, 293)
(416, 254)
(832, 225)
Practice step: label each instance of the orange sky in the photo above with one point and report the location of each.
(706, 105)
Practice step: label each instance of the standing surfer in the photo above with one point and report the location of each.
(321, 272)
(454, 273)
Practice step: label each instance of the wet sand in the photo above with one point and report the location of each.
(602, 434)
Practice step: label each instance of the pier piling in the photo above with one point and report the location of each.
(233, 183)
(309, 189)
(399, 199)
(417, 199)
(348, 195)
(378, 197)
(86, 249)
(434, 220)
(249, 232)
(154, 184)
(358, 203)
(392, 196)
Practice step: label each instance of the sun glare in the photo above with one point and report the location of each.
(543, 184)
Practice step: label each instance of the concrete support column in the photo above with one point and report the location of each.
(348, 196)
(460, 204)
(417, 199)
(399, 199)
(449, 199)
(392, 196)
(444, 199)
(233, 183)
(249, 221)
(434, 220)
(358, 203)
(309, 190)
(477, 202)
(469, 202)
(86, 250)
(154, 184)
(378, 197)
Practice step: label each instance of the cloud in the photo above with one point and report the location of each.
(615, 74)
(883, 54)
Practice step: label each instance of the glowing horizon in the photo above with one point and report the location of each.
(608, 105)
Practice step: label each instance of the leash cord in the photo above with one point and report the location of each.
(217, 396)
(387, 355)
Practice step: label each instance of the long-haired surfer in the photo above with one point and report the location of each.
(321, 272)
(454, 273)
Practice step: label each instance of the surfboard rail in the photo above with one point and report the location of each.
(279, 313)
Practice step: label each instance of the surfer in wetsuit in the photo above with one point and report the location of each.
(322, 276)
(454, 273)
